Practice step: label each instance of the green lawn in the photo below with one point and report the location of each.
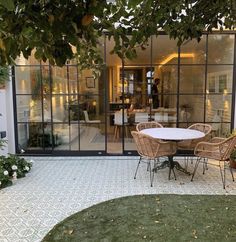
(152, 218)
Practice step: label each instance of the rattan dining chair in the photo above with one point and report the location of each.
(151, 149)
(189, 145)
(218, 149)
(148, 125)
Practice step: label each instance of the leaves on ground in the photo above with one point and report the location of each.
(142, 218)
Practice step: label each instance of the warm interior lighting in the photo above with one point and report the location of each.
(53, 102)
(127, 100)
(175, 55)
(209, 103)
(23, 84)
(226, 105)
(60, 88)
(94, 103)
(32, 103)
(61, 101)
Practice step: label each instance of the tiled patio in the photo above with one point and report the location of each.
(57, 187)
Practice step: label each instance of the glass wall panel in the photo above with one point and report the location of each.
(219, 79)
(65, 134)
(73, 79)
(115, 104)
(27, 80)
(164, 50)
(92, 136)
(29, 108)
(31, 136)
(191, 108)
(192, 79)
(59, 79)
(221, 129)
(60, 108)
(167, 101)
(168, 75)
(220, 49)
(23, 135)
(66, 109)
(218, 108)
(166, 116)
(193, 52)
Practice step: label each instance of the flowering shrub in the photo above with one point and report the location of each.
(12, 167)
(4, 178)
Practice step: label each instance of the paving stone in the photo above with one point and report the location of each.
(57, 187)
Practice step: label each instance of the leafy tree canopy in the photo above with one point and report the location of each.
(52, 27)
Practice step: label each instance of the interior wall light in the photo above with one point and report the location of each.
(176, 55)
(208, 101)
(94, 103)
(226, 105)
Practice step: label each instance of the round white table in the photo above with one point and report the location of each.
(174, 135)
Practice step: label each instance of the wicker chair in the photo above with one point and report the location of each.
(148, 125)
(190, 145)
(218, 149)
(150, 149)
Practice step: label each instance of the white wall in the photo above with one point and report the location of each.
(7, 118)
(3, 118)
(10, 118)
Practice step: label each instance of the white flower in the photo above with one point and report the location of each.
(14, 167)
(31, 161)
(0, 183)
(26, 168)
(5, 173)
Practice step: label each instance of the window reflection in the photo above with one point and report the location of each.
(191, 108)
(192, 79)
(219, 79)
(168, 75)
(164, 51)
(220, 49)
(218, 103)
(197, 49)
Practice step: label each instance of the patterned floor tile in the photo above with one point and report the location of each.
(57, 187)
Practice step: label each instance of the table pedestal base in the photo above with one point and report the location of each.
(171, 164)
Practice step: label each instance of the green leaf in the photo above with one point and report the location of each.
(8, 4)
(133, 3)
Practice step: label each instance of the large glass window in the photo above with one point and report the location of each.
(64, 109)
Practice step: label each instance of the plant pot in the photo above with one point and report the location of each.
(232, 164)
